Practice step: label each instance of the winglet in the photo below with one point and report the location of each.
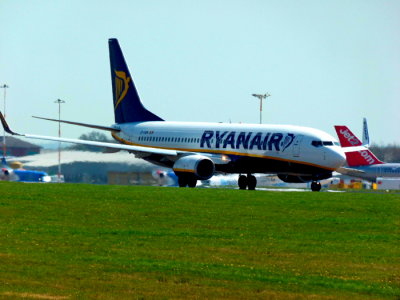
(5, 125)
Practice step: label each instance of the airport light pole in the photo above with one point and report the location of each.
(59, 102)
(5, 87)
(261, 97)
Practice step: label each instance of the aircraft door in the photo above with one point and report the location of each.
(297, 145)
(379, 172)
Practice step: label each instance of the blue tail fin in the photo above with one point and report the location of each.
(127, 104)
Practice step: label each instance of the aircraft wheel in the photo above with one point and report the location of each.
(242, 182)
(182, 181)
(192, 181)
(315, 186)
(251, 182)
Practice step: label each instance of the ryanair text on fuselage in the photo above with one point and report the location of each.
(246, 140)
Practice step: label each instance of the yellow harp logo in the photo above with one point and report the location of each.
(121, 86)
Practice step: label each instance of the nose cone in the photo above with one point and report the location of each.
(336, 157)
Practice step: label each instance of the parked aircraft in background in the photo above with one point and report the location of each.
(197, 151)
(22, 175)
(361, 161)
(365, 137)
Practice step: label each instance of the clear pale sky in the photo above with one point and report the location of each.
(324, 63)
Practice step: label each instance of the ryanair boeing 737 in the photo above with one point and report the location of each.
(197, 151)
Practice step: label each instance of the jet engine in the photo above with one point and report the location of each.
(201, 166)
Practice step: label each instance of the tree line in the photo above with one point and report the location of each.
(386, 153)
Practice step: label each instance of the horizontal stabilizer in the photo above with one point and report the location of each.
(112, 129)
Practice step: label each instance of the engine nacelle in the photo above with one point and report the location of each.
(294, 178)
(201, 166)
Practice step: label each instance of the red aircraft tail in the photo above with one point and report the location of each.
(360, 157)
(346, 137)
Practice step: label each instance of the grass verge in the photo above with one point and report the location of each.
(67, 241)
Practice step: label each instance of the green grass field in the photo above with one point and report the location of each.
(66, 241)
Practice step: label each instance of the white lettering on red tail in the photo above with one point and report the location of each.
(365, 154)
(353, 140)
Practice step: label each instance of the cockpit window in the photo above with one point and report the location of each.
(328, 143)
(323, 143)
(316, 143)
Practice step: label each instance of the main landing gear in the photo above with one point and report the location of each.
(315, 186)
(247, 182)
(185, 180)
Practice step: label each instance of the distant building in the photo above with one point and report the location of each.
(17, 147)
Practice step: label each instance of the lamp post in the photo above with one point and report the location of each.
(261, 97)
(5, 87)
(59, 102)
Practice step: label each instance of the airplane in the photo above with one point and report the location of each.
(361, 161)
(198, 150)
(21, 175)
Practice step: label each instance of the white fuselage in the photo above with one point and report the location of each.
(280, 145)
(372, 172)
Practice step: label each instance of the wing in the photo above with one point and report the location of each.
(130, 148)
(136, 149)
(139, 151)
(350, 171)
